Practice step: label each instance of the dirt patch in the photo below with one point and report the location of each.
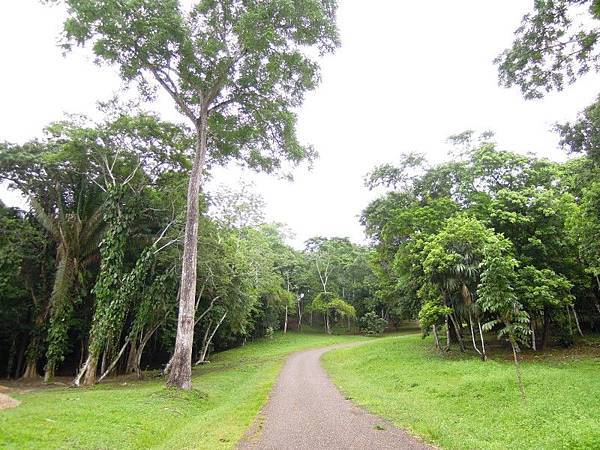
(8, 402)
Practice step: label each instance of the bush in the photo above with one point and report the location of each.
(371, 324)
(269, 333)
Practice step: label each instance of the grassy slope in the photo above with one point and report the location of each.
(227, 395)
(461, 403)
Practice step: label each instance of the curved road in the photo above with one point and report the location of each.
(306, 411)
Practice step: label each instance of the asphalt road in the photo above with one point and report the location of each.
(306, 411)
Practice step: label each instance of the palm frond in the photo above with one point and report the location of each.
(46, 221)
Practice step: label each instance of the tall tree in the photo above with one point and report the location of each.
(234, 68)
(556, 44)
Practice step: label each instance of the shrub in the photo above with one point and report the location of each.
(371, 324)
(269, 333)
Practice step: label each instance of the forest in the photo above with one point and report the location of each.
(125, 263)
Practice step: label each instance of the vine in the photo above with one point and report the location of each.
(110, 307)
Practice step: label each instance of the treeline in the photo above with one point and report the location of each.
(492, 241)
(90, 275)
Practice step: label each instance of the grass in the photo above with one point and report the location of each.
(459, 402)
(227, 395)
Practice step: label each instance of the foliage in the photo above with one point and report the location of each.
(246, 71)
(583, 135)
(371, 324)
(496, 293)
(556, 44)
(432, 313)
(430, 233)
(327, 303)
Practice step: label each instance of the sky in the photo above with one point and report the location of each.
(407, 76)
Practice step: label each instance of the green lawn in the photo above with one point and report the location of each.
(227, 395)
(459, 402)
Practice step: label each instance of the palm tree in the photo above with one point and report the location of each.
(77, 235)
(459, 281)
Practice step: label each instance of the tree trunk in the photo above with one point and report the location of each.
(546, 331)
(30, 370)
(299, 318)
(473, 337)
(448, 340)
(135, 353)
(518, 369)
(533, 344)
(204, 343)
(577, 320)
(48, 372)
(81, 352)
(132, 356)
(327, 324)
(286, 320)
(138, 360)
(482, 341)
(91, 368)
(180, 373)
(207, 342)
(103, 364)
(82, 371)
(114, 363)
(458, 334)
(32, 357)
(435, 337)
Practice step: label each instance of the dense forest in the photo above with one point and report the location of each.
(490, 240)
(93, 267)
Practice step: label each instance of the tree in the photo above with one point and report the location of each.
(234, 69)
(329, 256)
(371, 324)
(497, 296)
(331, 306)
(53, 174)
(26, 257)
(453, 261)
(556, 44)
(583, 136)
(69, 175)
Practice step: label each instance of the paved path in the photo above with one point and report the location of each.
(306, 411)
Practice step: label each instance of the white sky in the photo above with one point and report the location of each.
(408, 75)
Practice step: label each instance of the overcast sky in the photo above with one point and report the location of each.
(408, 75)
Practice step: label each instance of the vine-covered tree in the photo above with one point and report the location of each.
(235, 69)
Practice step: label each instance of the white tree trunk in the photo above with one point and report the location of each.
(208, 341)
(482, 341)
(435, 337)
(473, 335)
(180, 373)
(576, 320)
